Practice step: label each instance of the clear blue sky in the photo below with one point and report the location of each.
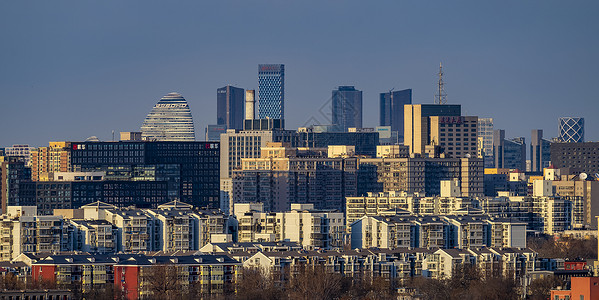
(72, 69)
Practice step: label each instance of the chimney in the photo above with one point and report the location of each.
(249, 104)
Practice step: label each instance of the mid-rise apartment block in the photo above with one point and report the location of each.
(450, 231)
(312, 228)
(285, 175)
(419, 175)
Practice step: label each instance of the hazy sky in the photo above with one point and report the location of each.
(72, 69)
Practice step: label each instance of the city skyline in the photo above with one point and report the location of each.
(102, 79)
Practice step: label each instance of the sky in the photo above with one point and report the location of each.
(74, 69)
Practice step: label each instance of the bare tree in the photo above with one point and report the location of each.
(314, 282)
(162, 281)
(254, 283)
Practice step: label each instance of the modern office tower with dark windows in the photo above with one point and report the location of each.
(540, 151)
(347, 108)
(169, 120)
(392, 110)
(189, 169)
(230, 107)
(271, 91)
(509, 153)
(571, 130)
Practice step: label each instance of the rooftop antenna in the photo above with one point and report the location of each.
(113, 135)
(441, 97)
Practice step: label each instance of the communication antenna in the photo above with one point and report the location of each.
(113, 135)
(441, 97)
(583, 176)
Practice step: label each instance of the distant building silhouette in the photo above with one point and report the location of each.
(347, 108)
(230, 110)
(392, 110)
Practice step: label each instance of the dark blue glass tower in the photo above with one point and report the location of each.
(271, 91)
(347, 108)
(392, 110)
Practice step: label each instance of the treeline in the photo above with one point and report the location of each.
(563, 247)
(315, 283)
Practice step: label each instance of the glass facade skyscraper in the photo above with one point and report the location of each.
(271, 91)
(169, 120)
(229, 110)
(571, 130)
(347, 108)
(392, 110)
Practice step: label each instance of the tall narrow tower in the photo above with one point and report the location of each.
(249, 104)
(441, 96)
(271, 91)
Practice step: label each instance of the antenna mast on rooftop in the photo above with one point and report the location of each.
(441, 97)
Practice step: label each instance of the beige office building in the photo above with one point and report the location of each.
(443, 126)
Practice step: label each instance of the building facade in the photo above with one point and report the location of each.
(571, 130)
(509, 153)
(347, 108)
(443, 126)
(540, 151)
(271, 91)
(578, 157)
(392, 110)
(285, 175)
(189, 169)
(169, 120)
(230, 107)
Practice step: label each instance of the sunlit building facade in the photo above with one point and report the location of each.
(169, 120)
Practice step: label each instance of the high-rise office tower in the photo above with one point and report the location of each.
(271, 91)
(509, 153)
(392, 110)
(540, 151)
(230, 110)
(169, 120)
(485, 140)
(571, 130)
(347, 108)
(440, 125)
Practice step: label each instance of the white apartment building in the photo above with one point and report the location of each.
(303, 224)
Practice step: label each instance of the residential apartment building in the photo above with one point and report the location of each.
(24, 231)
(47, 160)
(285, 175)
(133, 273)
(412, 231)
(419, 175)
(312, 228)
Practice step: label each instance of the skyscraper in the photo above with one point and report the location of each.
(509, 153)
(540, 151)
(392, 110)
(271, 91)
(571, 130)
(485, 140)
(230, 110)
(169, 120)
(347, 108)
